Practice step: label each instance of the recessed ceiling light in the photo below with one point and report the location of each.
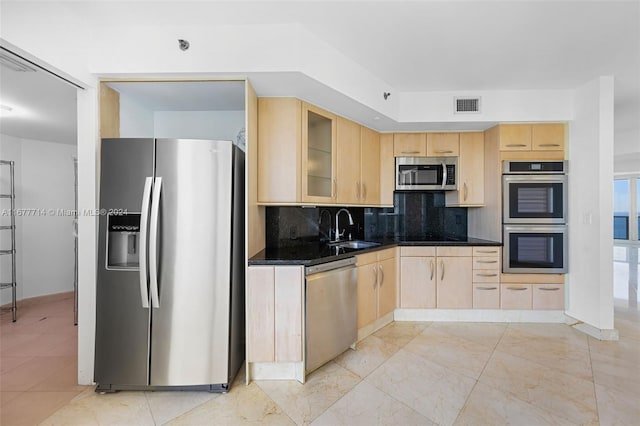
(376, 118)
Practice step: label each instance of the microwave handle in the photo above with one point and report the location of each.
(444, 175)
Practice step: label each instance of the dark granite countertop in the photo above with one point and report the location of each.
(314, 253)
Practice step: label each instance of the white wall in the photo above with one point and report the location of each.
(223, 125)
(590, 275)
(45, 186)
(136, 120)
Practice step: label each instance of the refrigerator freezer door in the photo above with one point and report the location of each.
(190, 333)
(122, 324)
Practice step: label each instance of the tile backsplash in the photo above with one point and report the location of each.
(415, 216)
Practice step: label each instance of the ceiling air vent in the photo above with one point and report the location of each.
(466, 104)
(14, 63)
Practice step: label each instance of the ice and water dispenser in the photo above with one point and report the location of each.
(123, 241)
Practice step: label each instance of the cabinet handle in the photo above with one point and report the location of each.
(516, 145)
(486, 261)
(335, 188)
(364, 191)
(410, 152)
(466, 191)
(549, 289)
(432, 270)
(517, 288)
(442, 268)
(443, 151)
(375, 274)
(487, 251)
(487, 275)
(357, 190)
(549, 144)
(381, 273)
(486, 288)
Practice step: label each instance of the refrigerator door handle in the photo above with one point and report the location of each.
(153, 243)
(144, 217)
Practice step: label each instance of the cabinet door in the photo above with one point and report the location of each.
(260, 314)
(319, 130)
(348, 183)
(548, 296)
(454, 283)
(369, 167)
(515, 137)
(486, 296)
(409, 144)
(547, 137)
(515, 296)
(386, 286)
(279, 153)
(367, 287)
(470, 191)
(417, 282)
(387, 170)
(443, 144)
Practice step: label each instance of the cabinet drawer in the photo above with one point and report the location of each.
(486, 296)
(515, 296)
(417, 251)
(486, 251)
(548, 296)
(386, 254)
(486, 262)
(454, 251)
(367, 258)
(486, 276)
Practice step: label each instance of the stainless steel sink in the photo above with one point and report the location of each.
(355, 244)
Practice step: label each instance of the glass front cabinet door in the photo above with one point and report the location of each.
(318, 155)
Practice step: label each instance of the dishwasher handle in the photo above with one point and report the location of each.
(330, 266)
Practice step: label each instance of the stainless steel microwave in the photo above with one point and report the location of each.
(426, 173)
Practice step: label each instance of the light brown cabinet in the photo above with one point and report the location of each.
(548, 296)
(486, 278)
(319, 178)
(348, 184)
(274, 298)
(436, 277)
(528, 137)
(307, 155)
(515, 296)
(470, 191)
(443, 144)
(387, 169)
(377, 282)
(409, 144)
(370, 167)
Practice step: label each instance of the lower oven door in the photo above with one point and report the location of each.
(535, 249)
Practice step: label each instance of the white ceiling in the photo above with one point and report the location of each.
(417, 46)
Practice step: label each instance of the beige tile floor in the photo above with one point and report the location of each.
(404, 374)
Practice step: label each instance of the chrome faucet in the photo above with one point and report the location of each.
(339, 235)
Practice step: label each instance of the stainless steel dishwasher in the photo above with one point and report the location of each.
(331, 316)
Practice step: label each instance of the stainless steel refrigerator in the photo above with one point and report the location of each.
(170, 284)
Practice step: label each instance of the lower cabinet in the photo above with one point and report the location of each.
(515, 296)
(486, 277)
(547, 296)
(436, 277)
(377, 278)
(274, 297)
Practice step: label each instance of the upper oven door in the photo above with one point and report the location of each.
(422, 173)
(534, 199)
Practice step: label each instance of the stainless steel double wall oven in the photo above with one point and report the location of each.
(535, 216)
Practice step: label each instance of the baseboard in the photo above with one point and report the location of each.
(36, 300)
(479, 315)
(275, 371)
(375, 326)
(597, 333)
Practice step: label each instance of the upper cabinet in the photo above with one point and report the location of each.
(307, 155)
(528, 137)
(470, 191)
(387, 169)
(319, 129)
(409, 144)
(443, 145)
(370, 167)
